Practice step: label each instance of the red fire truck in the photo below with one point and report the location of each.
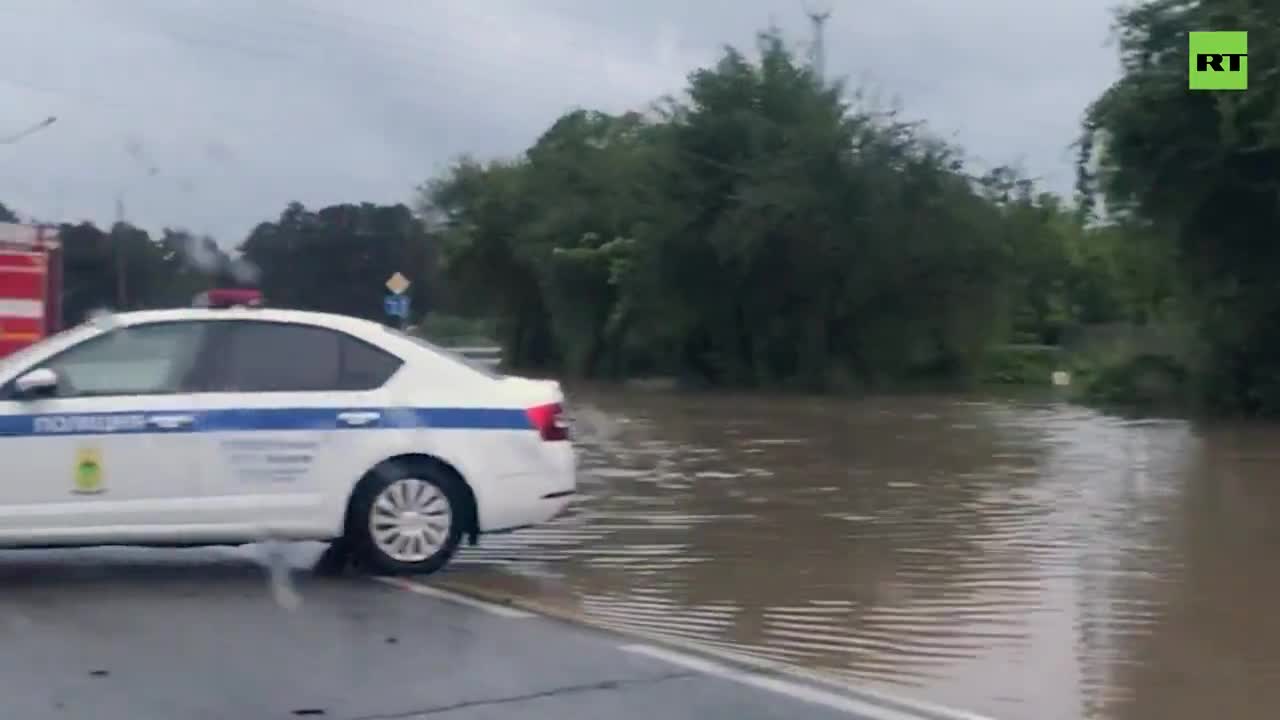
(30, 285)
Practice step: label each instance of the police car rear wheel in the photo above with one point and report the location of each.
(406, 521)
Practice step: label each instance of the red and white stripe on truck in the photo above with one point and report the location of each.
(30, 285)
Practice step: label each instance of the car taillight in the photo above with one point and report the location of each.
(548, 421)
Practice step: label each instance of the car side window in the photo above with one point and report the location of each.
(365, 367)
(155, 358)
(263, 356)
(266, 356)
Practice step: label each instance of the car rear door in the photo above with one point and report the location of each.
(285, 435)
(111, 455)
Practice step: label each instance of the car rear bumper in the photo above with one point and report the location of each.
(516, 500)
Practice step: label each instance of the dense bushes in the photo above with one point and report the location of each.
(763, 230)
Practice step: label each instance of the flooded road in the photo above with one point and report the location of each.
(1023, 560)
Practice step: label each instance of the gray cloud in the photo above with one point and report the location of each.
(212, 114)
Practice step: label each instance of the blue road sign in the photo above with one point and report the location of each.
(396, 305)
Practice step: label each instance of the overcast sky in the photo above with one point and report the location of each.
(213, 114)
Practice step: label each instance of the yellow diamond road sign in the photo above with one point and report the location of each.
(398, 284)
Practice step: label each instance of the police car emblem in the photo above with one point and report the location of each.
(88, 472)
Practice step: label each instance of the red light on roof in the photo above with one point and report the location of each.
(228, 297)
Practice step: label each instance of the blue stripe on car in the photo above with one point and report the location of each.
(260, 419)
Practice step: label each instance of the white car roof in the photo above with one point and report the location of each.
(365, 329)
(305, 317)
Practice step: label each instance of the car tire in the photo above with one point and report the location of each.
(395, 525)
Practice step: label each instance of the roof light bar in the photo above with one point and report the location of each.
(228, 298)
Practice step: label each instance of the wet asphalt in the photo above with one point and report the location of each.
(137, 634)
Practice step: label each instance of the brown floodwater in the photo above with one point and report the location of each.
(1028, 560)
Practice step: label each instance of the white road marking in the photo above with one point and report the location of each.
(428, 591)
(805, 693)
(864, 704)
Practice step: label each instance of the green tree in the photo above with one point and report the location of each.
(337, 259)
(191, 265)
(476, 213)
(100, 268)
(1202, 169)
(757, 232)
(89, 281)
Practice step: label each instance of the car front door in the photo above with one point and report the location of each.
(288, 434)
(109, 454)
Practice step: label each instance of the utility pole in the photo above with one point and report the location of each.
(119, 234)
(818, 51)
(135, 150)
(117, 248)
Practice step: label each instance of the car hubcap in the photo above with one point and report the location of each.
(411, 520)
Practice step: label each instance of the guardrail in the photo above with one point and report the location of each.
(490, 355)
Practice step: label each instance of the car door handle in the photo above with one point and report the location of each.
(358, 418)
(171, 422)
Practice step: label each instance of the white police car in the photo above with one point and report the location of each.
(227, 426)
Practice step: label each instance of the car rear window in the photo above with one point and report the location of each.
(365, 367)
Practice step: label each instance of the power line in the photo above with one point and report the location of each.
(29, 131)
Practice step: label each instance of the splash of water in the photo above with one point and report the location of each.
(280, 575)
